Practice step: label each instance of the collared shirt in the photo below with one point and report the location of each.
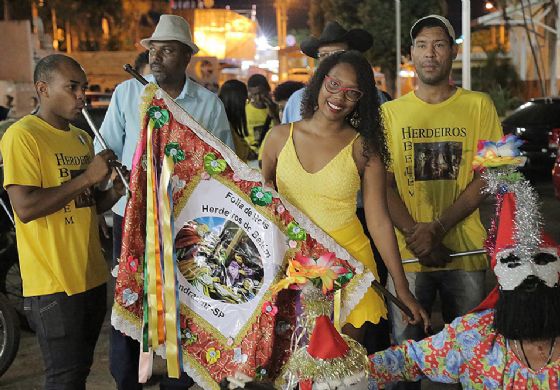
(121, 126)
(292, 109)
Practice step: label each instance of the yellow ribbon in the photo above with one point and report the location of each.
(152, 241)
(337, 307)
(171, 324)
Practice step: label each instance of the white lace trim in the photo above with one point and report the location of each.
(239, 167)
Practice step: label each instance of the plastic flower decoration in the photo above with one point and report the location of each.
(324, 272)
(295, 232)
(498, 154)
(212, 355)
(261, 197)
(190, 337)
(260, 373)
(269, 309)
(159, 116)
(173, 150)
(129, 297)
(214, 165)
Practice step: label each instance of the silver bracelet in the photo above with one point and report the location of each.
(441, 224)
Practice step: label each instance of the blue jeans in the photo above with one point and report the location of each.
(459, 291)
(67, 328)
(124, 351)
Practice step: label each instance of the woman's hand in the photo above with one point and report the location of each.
(420, 315)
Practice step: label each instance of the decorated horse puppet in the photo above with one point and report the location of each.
(203, 243)
(511, 340)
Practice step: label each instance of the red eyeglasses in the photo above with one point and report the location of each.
(333, 85)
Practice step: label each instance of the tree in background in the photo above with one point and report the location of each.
(499, 79)
(377, 17)
(84, 20)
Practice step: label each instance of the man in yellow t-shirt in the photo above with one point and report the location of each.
(433, 194)
(261, 111)
(50, 172)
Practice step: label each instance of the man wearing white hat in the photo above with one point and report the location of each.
(170, 49)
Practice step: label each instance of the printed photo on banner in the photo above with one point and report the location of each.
(228, 255)
(218, 258)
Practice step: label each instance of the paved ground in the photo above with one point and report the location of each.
(26, 371)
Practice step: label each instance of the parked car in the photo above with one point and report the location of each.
(537, 122)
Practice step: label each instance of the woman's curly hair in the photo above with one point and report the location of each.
(370, 125)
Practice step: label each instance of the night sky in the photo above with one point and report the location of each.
(297, 15)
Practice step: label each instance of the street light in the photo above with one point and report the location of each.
(489, 6)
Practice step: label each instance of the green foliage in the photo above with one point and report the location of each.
(85, 17)
(498, 78)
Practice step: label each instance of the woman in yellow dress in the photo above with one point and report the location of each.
(320, 163)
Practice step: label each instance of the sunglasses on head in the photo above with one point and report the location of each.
(334, 86)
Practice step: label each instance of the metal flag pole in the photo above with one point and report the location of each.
(91, 124)
(458, 254)
(129, 69)
(387, 294)
(5, 207)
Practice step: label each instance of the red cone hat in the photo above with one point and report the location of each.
(325, 341)
(504, 236)
(504, 239)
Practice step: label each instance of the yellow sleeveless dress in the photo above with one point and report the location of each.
(328, 198)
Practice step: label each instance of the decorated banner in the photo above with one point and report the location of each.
(205, 247)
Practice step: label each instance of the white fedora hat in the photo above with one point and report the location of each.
(171, 28)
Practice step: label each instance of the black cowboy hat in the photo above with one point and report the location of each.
(357, 39)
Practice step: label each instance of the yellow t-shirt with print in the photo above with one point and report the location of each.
(256, 119)
(432, 147)
(60, 252)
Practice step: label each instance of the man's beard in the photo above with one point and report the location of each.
(435, 79)
(530, 312)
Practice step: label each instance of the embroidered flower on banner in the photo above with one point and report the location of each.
(212, 355)
(261, 197)
(239, 357)
(159, 116)
(176, 183)
(214, 165)
(129, 297)
(269, 309)
(189, 336)
(131, 264)
(295, 232)
(260, 373)
(173, 150)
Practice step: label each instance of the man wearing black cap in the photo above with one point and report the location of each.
(333, 39)
(432, 192)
